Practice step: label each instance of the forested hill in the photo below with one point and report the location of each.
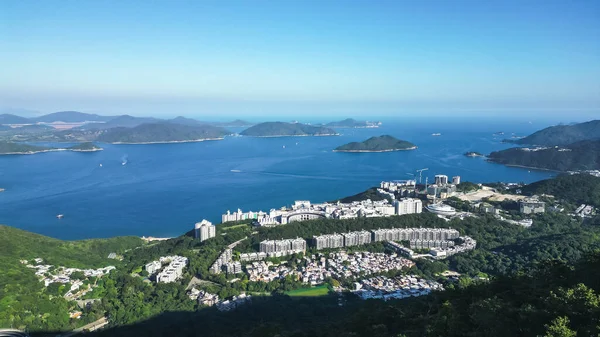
(275, 129)
(563, 134)
(576, 188)
(377, 144)
(161, 132)
(583, 155)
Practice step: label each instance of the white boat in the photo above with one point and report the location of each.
(60, 216)
(235, 171)
(441, 209)
(436, 134)
(100, 165)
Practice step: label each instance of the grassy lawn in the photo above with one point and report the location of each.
(309, 292)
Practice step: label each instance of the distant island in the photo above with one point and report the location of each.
(18, 148)
(584, 155)
(352, 123)
(282, 129)
(383, 143)
(473, 154)
(561, 134)
(151, 133)
(234, 124)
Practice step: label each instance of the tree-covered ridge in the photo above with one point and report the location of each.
(377, 144)
(161, 132)
(573, 188)
(274, 129)
(584, 155)
(19, 148)
(10, 148)
(24, 301)
(563, 134)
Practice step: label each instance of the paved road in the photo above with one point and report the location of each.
(91, 327)
(12, 333)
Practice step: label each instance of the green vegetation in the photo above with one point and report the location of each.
(555, 299)
(563, 134)
(584, 155)
(467, 187)
(274, 129)
(83, 147)
(16, 148)
(309, 292)
(161, 132)
(377, 144)
(575, 189)
(24, 302)
(371, 193)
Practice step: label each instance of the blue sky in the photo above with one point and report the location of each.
(297, 58)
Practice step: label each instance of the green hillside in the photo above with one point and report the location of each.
(563, 134)
(23, 299)
(10, 148)
(273, 129)
(583, 155)
(576, 188)
(161, 132)
(377, 144)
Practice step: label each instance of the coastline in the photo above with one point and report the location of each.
(277, 136)
(167, 141)
(49, 150)
(375, 151)
(528, 167)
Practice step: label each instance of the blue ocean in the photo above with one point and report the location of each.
(163, 189)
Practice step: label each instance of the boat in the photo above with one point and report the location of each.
(436, 134)
(441, 209)
(235, 171)
(100, 165)
(284, 146)
(123, 163)
(60, 216)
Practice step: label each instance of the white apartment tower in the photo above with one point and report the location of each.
(204, 230)
(408, 206)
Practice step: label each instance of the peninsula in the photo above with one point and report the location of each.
(584, 155)
(561, 134)
(151, 133)
(18, 148)
(282, 129)
(383, 143)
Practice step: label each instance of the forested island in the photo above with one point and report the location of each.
(473, 154)
(353, 123)
(7, 148)
(583, 155)
(383, 143)
(281, 129)
(162, 133)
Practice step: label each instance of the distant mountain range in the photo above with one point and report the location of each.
(352, 123)
(279, 129)
(383, 143)
(562, 134)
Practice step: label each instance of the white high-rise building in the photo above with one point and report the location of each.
(204, 230)
(408, 206)
(441, 179)
(456, 180)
